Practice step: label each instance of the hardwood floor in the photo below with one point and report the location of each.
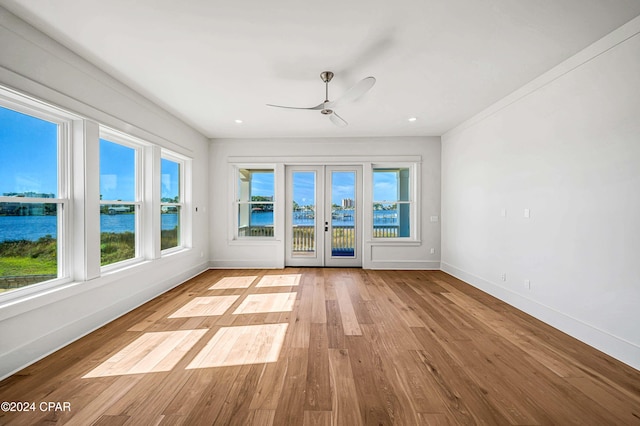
(326, 346)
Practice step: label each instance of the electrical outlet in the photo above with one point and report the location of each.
(433, 251)
(527, 284)
(503, 276)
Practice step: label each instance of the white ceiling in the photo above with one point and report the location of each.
(210, 62)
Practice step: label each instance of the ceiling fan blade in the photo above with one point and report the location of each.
(354, 93)
(337, 120)
(317, 107)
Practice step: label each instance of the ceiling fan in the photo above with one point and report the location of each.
(328, 107)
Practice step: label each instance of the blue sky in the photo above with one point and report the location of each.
(385, 186)
(29, 154)
(32, 162)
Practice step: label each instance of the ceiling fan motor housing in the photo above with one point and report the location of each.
(326, 76)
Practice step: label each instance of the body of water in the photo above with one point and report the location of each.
(35, 227)
(340, 218)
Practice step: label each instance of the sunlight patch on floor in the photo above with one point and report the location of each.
(233, 282)
(205, 306)
(149, 353)
(272, 302)
(241, 345)
(279, 280)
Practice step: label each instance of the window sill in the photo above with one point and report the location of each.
(394, 242)
(252, 241)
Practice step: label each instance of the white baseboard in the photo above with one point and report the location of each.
(244, 264)
(608, 343)
(405, 265)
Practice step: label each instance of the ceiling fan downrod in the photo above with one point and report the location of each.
(326, 76)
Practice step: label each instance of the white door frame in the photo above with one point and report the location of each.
(323, 256)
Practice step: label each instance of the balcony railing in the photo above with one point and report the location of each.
(255, 231)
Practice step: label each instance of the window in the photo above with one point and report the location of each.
(33, 196)
(255, 198)
(119, 199)
(391, 202)
(171, 202)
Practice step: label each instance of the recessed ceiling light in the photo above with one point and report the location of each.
(238, 121)
(412, 119)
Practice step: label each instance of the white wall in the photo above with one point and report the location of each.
(33, 64)
(226, 253)
(567, 147)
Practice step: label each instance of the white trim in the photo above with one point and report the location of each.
(405, 265)
(310, 160)
(606, 43)
(608, 343)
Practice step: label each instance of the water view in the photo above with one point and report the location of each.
(32, 228)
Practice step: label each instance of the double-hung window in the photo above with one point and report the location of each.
(392, 202)
(255, 202)
(34, 142)
(120, 195)
(171, 201)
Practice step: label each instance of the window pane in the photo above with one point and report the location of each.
(170, 181)
(29, 160)
(385, 185)
(256, 185)
(391, 206)
(170, 227)
(117, 233)
(255, 210)
(117, 172)
(28, 244)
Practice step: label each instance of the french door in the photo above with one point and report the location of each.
(324, 216)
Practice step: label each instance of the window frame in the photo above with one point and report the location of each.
(182, 162)
(412, 202)
(23, 104)
(237, 202)
(139, 147)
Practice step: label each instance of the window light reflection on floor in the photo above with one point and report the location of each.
(205, 306)
(271, 302)
(279, 280)
(242, 345)
(233, 282)
(150, 353)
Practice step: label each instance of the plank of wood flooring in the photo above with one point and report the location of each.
(270, 385)
(317, 418)
(464, 399)
(101, 402)
(436, 419)
(369, 380)
(347, 313)
(622, 411)
(290, 408)
(335, 331)
(213, 397)
(318, 309)
(318, 386)
(261, 418)
(111, 421)
(346, 407)
(235, 410)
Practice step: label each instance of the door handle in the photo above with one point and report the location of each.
(326, 226)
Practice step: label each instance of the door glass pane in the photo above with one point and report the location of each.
(343, 213)
(303, 214)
